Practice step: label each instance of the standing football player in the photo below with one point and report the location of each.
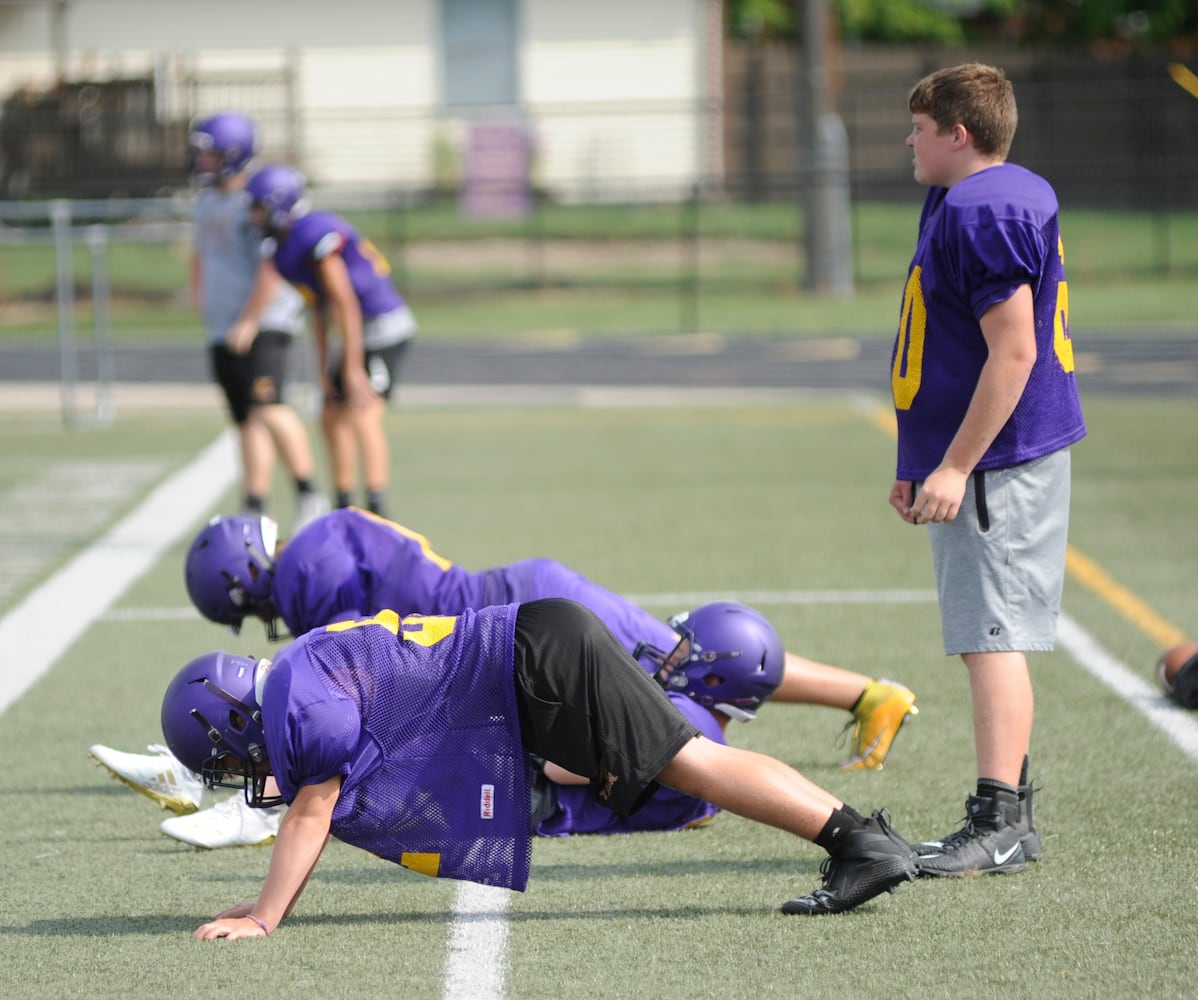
(987, 406)
(249, 360)
(348, 283)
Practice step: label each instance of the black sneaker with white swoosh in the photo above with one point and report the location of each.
(989, 843)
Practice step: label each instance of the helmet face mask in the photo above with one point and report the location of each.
(219, 147)
(728, 657)
(212, 723)
(229, 571)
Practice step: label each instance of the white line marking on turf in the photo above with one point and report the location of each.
(36, 632)
(677, 601)
(1174, 721)
(476, 959)
(684, 599)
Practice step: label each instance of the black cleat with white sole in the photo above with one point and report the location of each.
(989, 843)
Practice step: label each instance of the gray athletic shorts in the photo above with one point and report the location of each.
(1000, 564)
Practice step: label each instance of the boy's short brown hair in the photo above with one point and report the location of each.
(977, 96)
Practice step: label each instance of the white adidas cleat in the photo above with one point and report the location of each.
(157, 775)
(231, 823)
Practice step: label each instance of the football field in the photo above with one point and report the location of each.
(778, 501)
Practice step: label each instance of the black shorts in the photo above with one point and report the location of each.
(382, 365)
(587, 706)
(256, 378)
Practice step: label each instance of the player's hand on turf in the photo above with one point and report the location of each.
(242, 927)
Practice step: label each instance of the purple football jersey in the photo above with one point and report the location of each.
(578, 811)
(350, 564)
(419, 719)
(316, 235)
(978, 242)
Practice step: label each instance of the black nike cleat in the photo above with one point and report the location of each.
(874, 860)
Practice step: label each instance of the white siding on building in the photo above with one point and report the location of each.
(611, 90)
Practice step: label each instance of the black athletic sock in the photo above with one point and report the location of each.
(342, 500)
(374, 502)
(988, 786)
(842, 822)
(303, 487)
(253, 503)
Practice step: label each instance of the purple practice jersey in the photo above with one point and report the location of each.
(978, 242)
(349, 564)
(419, 719)
(578, 811)
(314, 237)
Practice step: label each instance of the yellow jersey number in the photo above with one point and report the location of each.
(913, 328)
(420, 629)
(378, 263)
(907, 371)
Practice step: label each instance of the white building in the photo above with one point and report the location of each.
(620, 98)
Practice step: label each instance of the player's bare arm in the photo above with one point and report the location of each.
(347, 315)
(1010, 332)
(302, 836)
(245, 328)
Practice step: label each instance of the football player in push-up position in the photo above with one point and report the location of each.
(350, 563)
(410, 738)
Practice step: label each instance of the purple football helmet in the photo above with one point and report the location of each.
(230, 571)
(212, 723)
(728, 657)
(230, 136)
(279, 190)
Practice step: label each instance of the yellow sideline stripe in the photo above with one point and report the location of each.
(1184, 78)
(1084, 570)
(1094, 578)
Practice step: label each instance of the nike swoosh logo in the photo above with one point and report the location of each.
(1002, 857)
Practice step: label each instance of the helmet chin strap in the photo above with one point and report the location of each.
(735, 712)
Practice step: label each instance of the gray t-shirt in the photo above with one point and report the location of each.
(227, 244)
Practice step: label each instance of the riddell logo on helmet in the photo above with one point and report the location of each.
(487, 802)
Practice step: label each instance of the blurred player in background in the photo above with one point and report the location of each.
(348, 284)
(329, 726)
(249, 360)
(987, 406)
(1177, 672)
(350, 563)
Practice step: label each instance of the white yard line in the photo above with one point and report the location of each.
(476, 956)
(35, 633)
(1180, 725)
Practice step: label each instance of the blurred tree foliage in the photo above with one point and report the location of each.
(1058, 22)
